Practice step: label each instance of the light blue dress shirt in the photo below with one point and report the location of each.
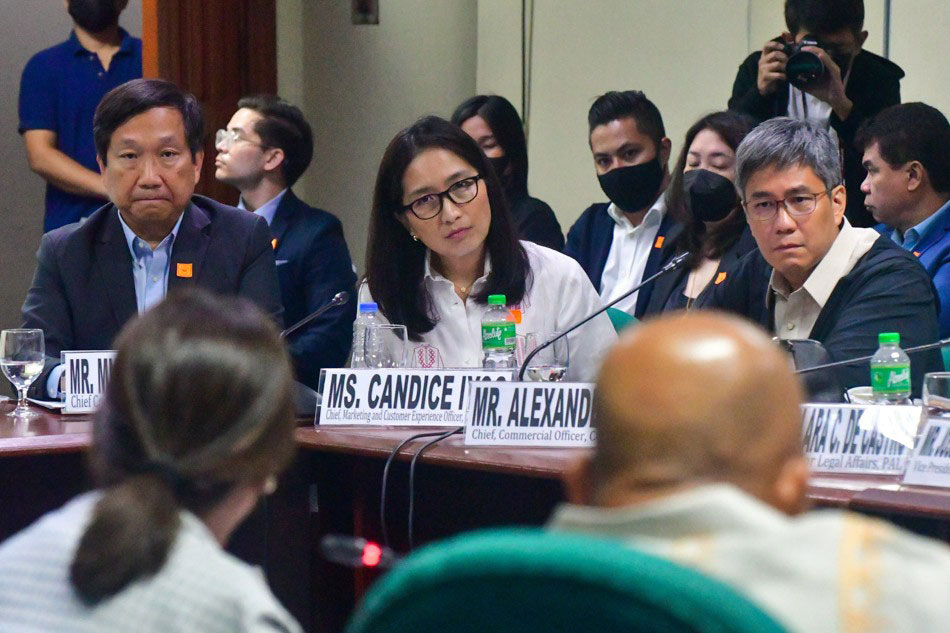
(913, 236)
(150, 267)
(266, 210)
(150, 270)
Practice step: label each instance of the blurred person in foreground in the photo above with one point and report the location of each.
(196, 425)
(699, 459)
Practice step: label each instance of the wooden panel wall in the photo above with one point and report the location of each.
(220, 50)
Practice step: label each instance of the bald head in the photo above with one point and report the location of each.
(695, 398)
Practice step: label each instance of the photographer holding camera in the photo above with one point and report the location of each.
(818, 71)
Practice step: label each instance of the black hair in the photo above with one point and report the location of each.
(821, 17)
(508, 130)
(395, 263)
(282, 125)
(140, 95)
(911, 131)
(731, 127)
(200, 401)
(632, 104)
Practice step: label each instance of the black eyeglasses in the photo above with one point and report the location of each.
(798, 204)
(430, 205)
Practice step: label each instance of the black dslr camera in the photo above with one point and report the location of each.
(803, 68)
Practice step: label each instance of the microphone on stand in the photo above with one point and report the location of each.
(673, 264)
(338, 299)
(865, 359)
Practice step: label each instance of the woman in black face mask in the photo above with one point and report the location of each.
(703, 198)
(495, 125)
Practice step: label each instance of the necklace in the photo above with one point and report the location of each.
(462, 290)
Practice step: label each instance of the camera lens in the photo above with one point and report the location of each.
(804, 68)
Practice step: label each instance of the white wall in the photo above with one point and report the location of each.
(583, 49)
(360, 84)
(26, 27)
(919, 45)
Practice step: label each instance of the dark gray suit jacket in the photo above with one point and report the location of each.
(83, 290)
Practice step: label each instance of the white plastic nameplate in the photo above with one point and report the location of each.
(865, 439)
(85, 379)
(930, 463)
(398, 397)
(530, 414)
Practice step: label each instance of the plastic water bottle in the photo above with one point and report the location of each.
(890, 370)
(498, 335)
(368, 315)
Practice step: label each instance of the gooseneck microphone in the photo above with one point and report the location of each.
(673, 264)
(865, 359)
(338, 299)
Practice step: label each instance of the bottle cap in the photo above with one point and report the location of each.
(497, 300)
(888, 337)
(369, 306)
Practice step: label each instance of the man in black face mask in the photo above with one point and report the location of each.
(853, 86)
(621, 242)
(59, 91)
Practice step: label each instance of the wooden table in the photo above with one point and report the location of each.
(460, 488)
(334, 488)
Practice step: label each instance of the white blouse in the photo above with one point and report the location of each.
(559, 294)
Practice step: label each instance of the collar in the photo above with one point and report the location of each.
(430, 273)
(850, 244)
(701, 510)
(266, 210)
(125, 44)
(138, 247)
(915, 235)
(653, 217)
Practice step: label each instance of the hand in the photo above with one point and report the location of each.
(831, 90)
(771, 68)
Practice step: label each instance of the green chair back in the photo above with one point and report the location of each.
(620, 319)
(534, 580)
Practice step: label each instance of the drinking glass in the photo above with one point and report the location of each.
(551, 363)
(385, 346)
(22, 354)
(937, 394)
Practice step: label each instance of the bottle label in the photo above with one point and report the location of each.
(498, 336)
(890, 379)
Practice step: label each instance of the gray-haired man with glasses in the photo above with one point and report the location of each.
(815, 276)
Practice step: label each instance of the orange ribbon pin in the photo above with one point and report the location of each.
(721, 277)
(183, 270)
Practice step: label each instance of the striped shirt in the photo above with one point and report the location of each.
(201, 588)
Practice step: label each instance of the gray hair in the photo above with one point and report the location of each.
(785, 142)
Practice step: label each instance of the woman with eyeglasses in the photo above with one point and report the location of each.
(441, 240)
(702, 198)
(495, 125)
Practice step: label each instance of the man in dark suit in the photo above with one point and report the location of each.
(620, 243)
(857, 84)
(267, 146)
(907, 157)
(154, 236)
(814, 275)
